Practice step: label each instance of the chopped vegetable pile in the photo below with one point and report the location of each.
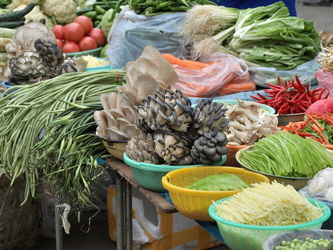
(219, 182)
(316, 126)
(285, 154)
(268, 204)
(290, 97)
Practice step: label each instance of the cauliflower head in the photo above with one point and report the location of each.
(35, 15)
(62, 10)
(16, 3)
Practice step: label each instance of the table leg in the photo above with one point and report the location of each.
(128, 215)
(58, 228)
(120, 213)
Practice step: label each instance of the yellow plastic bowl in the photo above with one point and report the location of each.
(195, 203)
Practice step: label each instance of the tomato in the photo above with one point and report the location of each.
(59, 31)
(60, 43)
(98, 35)
(70, 47)
(85, 22)
(74, 32)
(87, 43)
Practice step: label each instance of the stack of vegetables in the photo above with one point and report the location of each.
(265, 36)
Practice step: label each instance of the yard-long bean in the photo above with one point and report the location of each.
(26, 111)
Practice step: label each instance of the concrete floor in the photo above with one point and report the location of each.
(97, 238)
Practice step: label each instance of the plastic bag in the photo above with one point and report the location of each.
(130, 33)
(305, 72)
(325, 80)
(209, 81)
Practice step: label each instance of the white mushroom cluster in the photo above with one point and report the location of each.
(249, 122)
(145, 76)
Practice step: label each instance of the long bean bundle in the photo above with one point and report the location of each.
(68, 155)
(30, 108)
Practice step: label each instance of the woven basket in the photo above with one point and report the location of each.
(20, 225)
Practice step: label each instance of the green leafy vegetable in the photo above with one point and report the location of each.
(219, 182)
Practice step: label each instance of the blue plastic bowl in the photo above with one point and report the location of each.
(150, 176)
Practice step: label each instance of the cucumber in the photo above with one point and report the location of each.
(12, 24)
(15, 15)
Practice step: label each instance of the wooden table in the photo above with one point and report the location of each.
(124, 182)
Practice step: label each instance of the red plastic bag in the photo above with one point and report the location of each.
(325, 80)
(226, 74)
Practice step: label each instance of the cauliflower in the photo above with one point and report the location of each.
(16, 3)
(36, 14)
(62, 10)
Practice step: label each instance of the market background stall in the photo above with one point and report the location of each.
(97, 235)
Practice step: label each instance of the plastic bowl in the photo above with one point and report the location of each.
(235, 102)
(150, 176)
(276, 239)
(93, 52)
(195, 203)
(250, 237)
(100, 68)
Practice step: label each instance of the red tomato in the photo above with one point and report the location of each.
(60, 43)
(87, 43)
(85, 22)
(98, 35)
(59, 31)
(74, 32)
(70, 47)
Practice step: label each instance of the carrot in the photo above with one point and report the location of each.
(232, 88)
(191, 64)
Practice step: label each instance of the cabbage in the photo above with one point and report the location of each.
(106, 22)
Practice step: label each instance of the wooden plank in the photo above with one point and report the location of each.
(156, 198)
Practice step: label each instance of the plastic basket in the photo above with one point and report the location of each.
(93, 52)
(251, 237)
(150, 176)
(195, 203)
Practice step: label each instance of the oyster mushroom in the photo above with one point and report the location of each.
(210, 147)
(173, 148)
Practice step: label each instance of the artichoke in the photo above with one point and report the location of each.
(210, 147)
(165, 111)
(208, 114)
(173, 148)
(140, 148)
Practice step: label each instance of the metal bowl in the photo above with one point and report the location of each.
(284, 120)
(296, 182)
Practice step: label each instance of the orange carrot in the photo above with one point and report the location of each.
(191, 64)
(232, 88)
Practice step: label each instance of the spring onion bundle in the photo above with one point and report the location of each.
(285, 154)
(268, 204)
(30, 108)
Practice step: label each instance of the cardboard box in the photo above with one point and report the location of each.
(154, 230)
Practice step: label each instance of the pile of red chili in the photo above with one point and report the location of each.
(290, 97)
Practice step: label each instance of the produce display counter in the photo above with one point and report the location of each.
(125, 181)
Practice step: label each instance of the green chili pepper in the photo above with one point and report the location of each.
(99, 10)
(90, 14)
